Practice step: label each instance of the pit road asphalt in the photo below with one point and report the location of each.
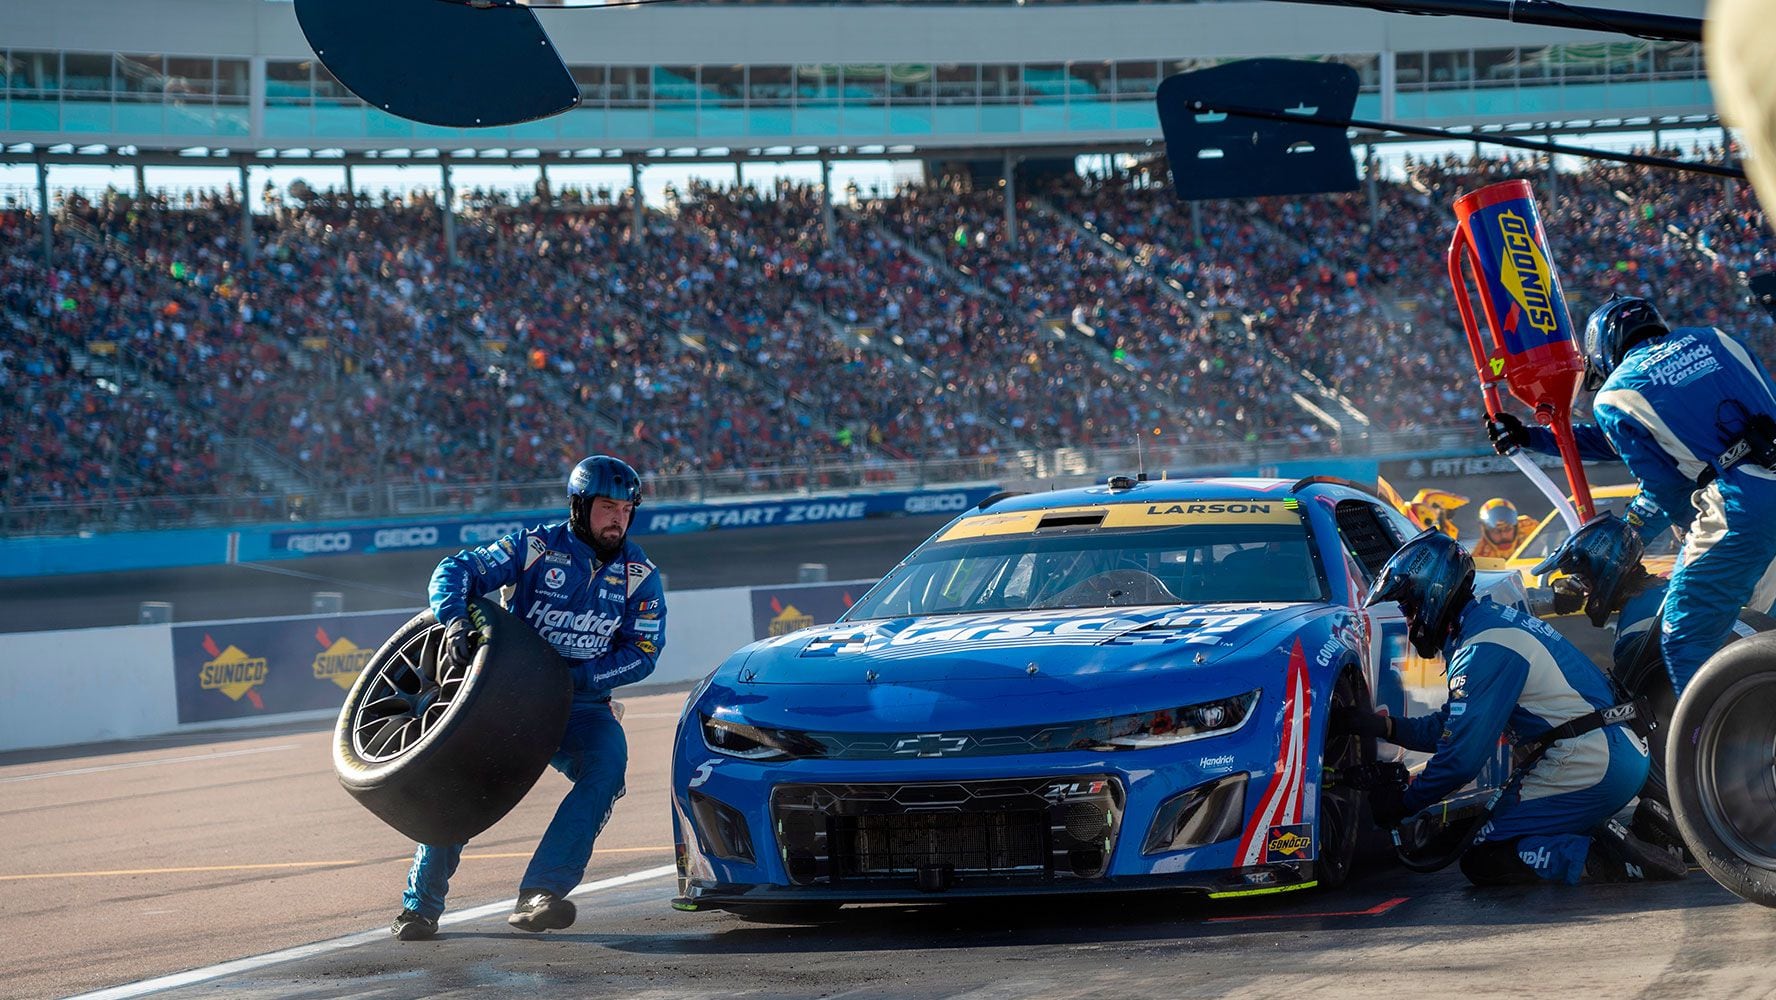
(127, 862)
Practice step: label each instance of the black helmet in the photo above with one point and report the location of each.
(599, 476)
(1604, 556)
(1432, 577)
(1612, 329)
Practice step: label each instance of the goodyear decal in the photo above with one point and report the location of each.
(340, 660)
(1280, 805)
(1132, 515)
(233, 672)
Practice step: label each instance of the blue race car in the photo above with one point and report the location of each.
(1120, 687)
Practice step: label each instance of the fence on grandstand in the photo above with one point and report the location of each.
(1060, 465)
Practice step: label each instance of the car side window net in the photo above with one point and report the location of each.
(1367, 539)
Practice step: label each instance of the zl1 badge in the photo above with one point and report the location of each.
(1289, 843)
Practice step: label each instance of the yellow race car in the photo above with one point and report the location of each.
(1661, 552)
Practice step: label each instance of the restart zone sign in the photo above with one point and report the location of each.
(814, 510)
(651, 519)
(232, 670)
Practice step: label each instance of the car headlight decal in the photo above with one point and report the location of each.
(737, 739)
(1181, 725)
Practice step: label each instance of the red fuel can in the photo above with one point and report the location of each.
(1529, 344)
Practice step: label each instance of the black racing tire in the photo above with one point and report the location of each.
(1718, 763)
(1646, 677)
(442, 753)
(1342, 818)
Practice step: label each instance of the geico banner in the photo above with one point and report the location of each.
(453, 534)
(230, 670)
(653, 519)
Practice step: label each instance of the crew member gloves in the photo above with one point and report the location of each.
(1506, 432)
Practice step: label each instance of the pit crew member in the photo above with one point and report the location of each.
(595, 597)
(1510, 673)
(1693, 414)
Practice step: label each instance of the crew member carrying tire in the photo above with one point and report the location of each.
(597, 600)
(1509, 671)
(1693, 415)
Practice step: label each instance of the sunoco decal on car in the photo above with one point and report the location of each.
(1280, 806)
(1294, 842)
(1209, 625)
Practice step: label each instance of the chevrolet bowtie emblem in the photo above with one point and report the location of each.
(930, 744)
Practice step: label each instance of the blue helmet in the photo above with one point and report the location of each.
(1432, 577)
(599, 476)
(1604, 556)
(1613, 328)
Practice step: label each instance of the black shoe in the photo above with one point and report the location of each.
(1654, 824)
(541, 910)
(1620, 856)
(410, 926)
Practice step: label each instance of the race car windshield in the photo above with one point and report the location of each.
(1190, 564)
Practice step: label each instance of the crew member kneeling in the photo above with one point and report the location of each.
(598, 601)
(1509, 672)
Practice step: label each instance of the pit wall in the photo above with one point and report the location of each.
(131, 550)
(97, 684)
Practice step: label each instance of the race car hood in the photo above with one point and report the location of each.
(919, 668)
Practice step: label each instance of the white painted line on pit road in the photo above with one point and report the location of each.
(146, 763)
(147, 986)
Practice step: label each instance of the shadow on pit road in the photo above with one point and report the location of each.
(1387, 931)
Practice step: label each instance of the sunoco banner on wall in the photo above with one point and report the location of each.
(782, 610)
(233, 670)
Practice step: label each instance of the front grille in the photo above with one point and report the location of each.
(937, 834)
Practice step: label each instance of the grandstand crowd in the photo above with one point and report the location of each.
(155, 360)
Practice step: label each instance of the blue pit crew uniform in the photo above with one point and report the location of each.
(1508, 669)
(609, 621)
(1667, 411)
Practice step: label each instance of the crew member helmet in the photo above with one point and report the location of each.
(599, 476)
(1497, 513)
(1613, 328)
(1604, 557)
(1432, 577)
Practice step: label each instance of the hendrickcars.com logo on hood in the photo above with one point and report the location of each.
(233, 672)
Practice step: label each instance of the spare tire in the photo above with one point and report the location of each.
(1645, 676)
(1718, 765)
(442, 753)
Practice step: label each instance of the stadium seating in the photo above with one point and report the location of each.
(733, 334)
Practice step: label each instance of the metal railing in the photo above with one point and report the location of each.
(1025, 467)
